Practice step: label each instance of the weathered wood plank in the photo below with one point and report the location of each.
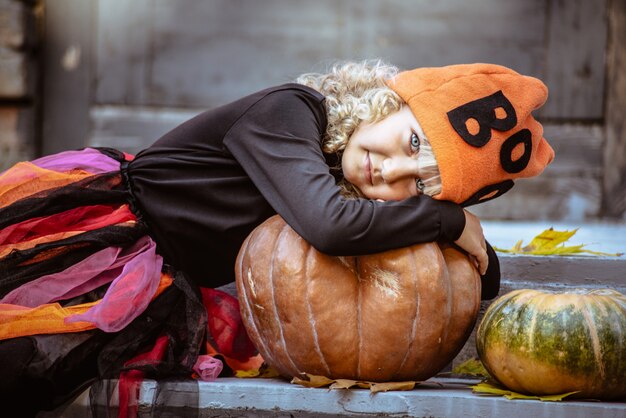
(16, 82)
(124, 32)
(133, 129)
(68, 75)
(17, 142)
(575, 57)
(614, 183)
(12, 24)
(226, 49)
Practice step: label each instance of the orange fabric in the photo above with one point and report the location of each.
(6, 249)
(25, 178)
(19, 321)
(432, 93)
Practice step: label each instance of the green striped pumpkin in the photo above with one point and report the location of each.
(547, 343)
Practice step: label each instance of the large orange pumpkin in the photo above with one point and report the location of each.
(399, 315)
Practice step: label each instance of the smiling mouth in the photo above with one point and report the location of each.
(368, 169)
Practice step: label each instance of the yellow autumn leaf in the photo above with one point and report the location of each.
(552, 242)
(262, 372)
(491, 388)
(247, 373)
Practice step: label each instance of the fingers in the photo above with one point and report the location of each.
(472, 240)
(483, 259)
(483, 262)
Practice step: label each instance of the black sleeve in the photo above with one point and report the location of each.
(490, 281)
(277, 142)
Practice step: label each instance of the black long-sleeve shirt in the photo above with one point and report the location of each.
(205, 185)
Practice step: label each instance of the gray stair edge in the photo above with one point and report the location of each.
(438, 397)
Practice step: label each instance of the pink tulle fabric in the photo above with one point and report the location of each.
(94, 271)
(208, 368)
(88, 159)
(129, 294)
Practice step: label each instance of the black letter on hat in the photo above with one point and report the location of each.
(483, 111)
(493, 191)
(522, 137)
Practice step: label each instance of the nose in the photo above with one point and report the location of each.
(398, 168)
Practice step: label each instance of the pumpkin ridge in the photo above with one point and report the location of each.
(279, 323)
(252, 318)
(312, 321)
(595, 340)
(415, 319)
(444, 337)
(533, 323)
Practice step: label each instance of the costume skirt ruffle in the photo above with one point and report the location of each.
(82, 288)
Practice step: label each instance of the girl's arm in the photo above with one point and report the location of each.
(277, 142)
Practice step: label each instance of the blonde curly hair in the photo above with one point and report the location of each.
(356, 92)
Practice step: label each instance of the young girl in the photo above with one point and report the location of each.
(101, 253)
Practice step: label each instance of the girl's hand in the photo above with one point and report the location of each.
(472, 240)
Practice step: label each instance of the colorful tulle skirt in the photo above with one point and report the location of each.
(84, 293)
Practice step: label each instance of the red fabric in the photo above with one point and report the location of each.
(128, 388)
(84, 218)
(225, 326)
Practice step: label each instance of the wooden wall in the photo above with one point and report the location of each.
(19, 74)
(614, 168)
(122, 73)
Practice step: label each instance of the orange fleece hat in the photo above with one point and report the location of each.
(478, 120)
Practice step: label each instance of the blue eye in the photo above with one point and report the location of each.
(415, 143)
(420, 185)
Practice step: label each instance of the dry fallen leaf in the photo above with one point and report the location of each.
(313, 381)
(492, 388)
(551, 242)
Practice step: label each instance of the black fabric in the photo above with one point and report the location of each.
(506, 151)
(204, 186)
(171, 398)
(15, 388)
(178, 313)
(483, 111)
(93, 190)
(22, 266)
(490, 281)
(479, 197)
(44, 371)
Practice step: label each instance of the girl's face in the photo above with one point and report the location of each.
(381, 158)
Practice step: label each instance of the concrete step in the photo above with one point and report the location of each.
(276, 398)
